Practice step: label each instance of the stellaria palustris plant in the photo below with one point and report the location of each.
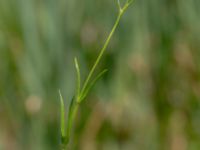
(82, 91)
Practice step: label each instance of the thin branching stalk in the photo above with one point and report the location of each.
(81, 93)
(121, 12)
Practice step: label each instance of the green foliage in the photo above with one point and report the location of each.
(81, 93)
(151, 91)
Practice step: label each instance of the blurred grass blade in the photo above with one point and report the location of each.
(89, 87)
(62, 115)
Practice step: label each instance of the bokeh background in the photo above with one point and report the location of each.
(148, 100)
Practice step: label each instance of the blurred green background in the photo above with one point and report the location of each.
(148, 100)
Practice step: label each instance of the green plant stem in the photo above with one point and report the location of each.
(101, 52)
(81, 94)
(73, 109)
(72, 116)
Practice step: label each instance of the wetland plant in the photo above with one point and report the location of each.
(83, 90)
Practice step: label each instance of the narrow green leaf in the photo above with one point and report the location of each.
(62, 115)
(89, 87)
(78, 81)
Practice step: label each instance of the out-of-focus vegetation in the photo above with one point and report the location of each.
(149, 99)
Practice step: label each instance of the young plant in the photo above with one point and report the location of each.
(82, 91)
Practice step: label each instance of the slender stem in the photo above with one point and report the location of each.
(73, 109)
(101, 53)
(71, 118)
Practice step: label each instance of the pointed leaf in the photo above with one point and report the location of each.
(89, 87)
(78, 81)
(62, 115)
